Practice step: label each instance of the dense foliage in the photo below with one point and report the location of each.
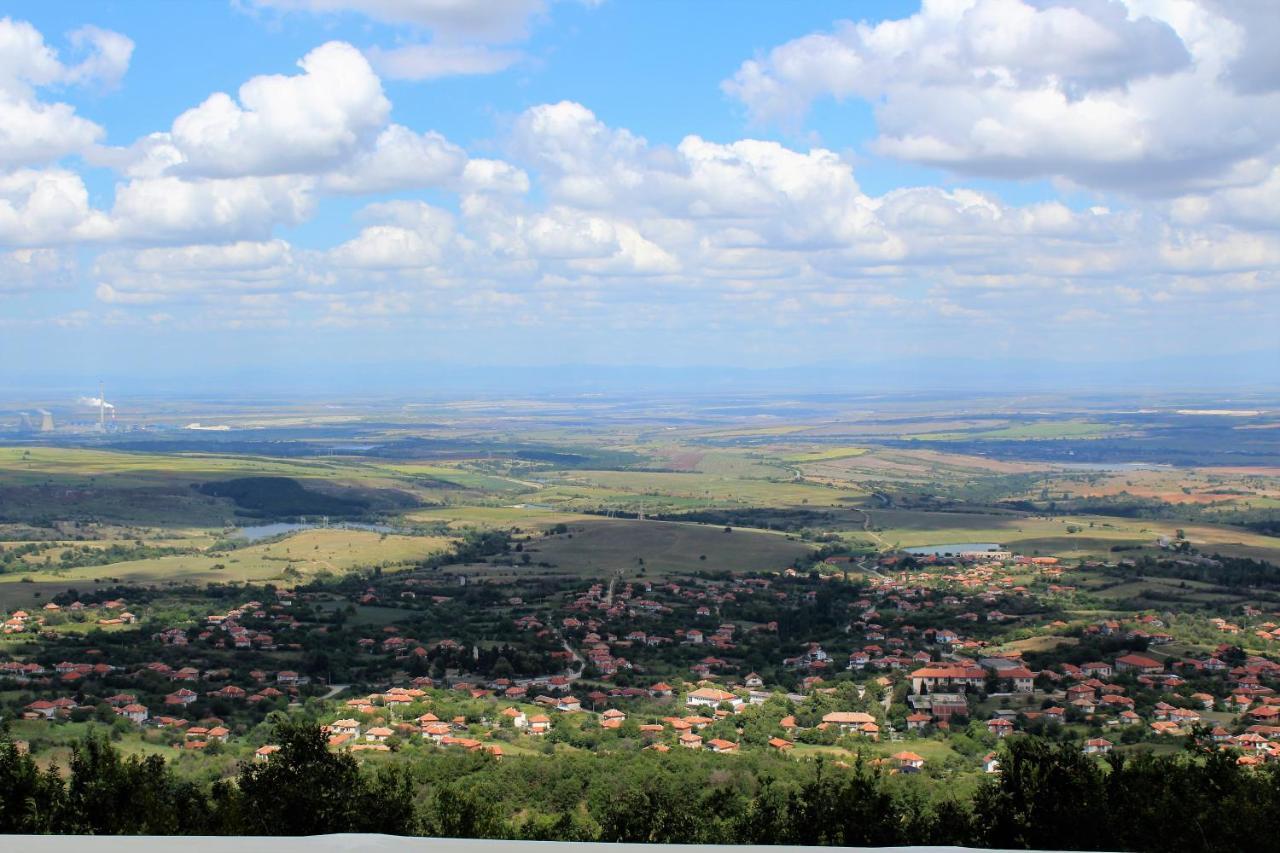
(1048, 796)
(281, 497)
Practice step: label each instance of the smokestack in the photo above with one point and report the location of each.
(102, 408)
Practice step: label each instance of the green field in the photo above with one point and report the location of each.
(598, 548)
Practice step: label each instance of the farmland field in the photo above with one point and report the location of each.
(598, 548)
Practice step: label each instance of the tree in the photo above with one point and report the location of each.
(307, 790)
(29, 799)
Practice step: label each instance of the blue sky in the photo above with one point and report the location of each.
(414, 184)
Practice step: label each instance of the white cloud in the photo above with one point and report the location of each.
(149, 276)
(47, 207)
(1092, 91)
(420, 62)
(35, 269)
(493, 176)
(35, 132)
(406, 235)
(173, 210)
(231, 170)
(27, 62)
(400, 159)
(107, 60)
(303, 123)
(1252, 206)
(491, 20)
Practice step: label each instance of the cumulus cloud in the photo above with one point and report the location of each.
(284, 124)
(1092, 91)
(1255, 68)
(236, 169)
(147, 276)
(400, 159)
(35, 132)
(47, 207)
(602, 229)
(406, 235)
(240, 165)
(171, 209)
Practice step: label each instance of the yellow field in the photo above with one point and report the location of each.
(826, 454)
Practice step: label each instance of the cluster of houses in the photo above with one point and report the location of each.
(928, 628)
(109, 613)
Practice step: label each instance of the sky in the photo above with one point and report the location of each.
(393, 189)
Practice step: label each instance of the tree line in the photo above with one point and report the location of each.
(1047, 796)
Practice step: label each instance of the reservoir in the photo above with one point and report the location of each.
(954, 548)
(257, 532)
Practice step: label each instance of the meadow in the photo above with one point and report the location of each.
(598, 548)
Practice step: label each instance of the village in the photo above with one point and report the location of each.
(920, 666)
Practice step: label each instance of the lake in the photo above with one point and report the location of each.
(258, 532)
(953, 548)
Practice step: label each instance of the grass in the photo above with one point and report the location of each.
(522, 516)
(1020, 432)
(1034, 534)
(599, 547)
(699, 488)
(306, 552)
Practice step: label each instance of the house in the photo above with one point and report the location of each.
(1097, 746)
(917, 721)
(1024, 680)
(539, 724)
(1139, 663)
(44, 708)
(378, 734)
(949, 676)
(345, 727)
(516, 716)
(781, 745)
(991, 763)
(660, 690)
(264, 753)
(718, 745)
(753, 681)
(1000, 727)
(908, 762)
(712, 697)
(849, 721)
(1205, 700)
(691, 741)
(569, 704)
(134, 712)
